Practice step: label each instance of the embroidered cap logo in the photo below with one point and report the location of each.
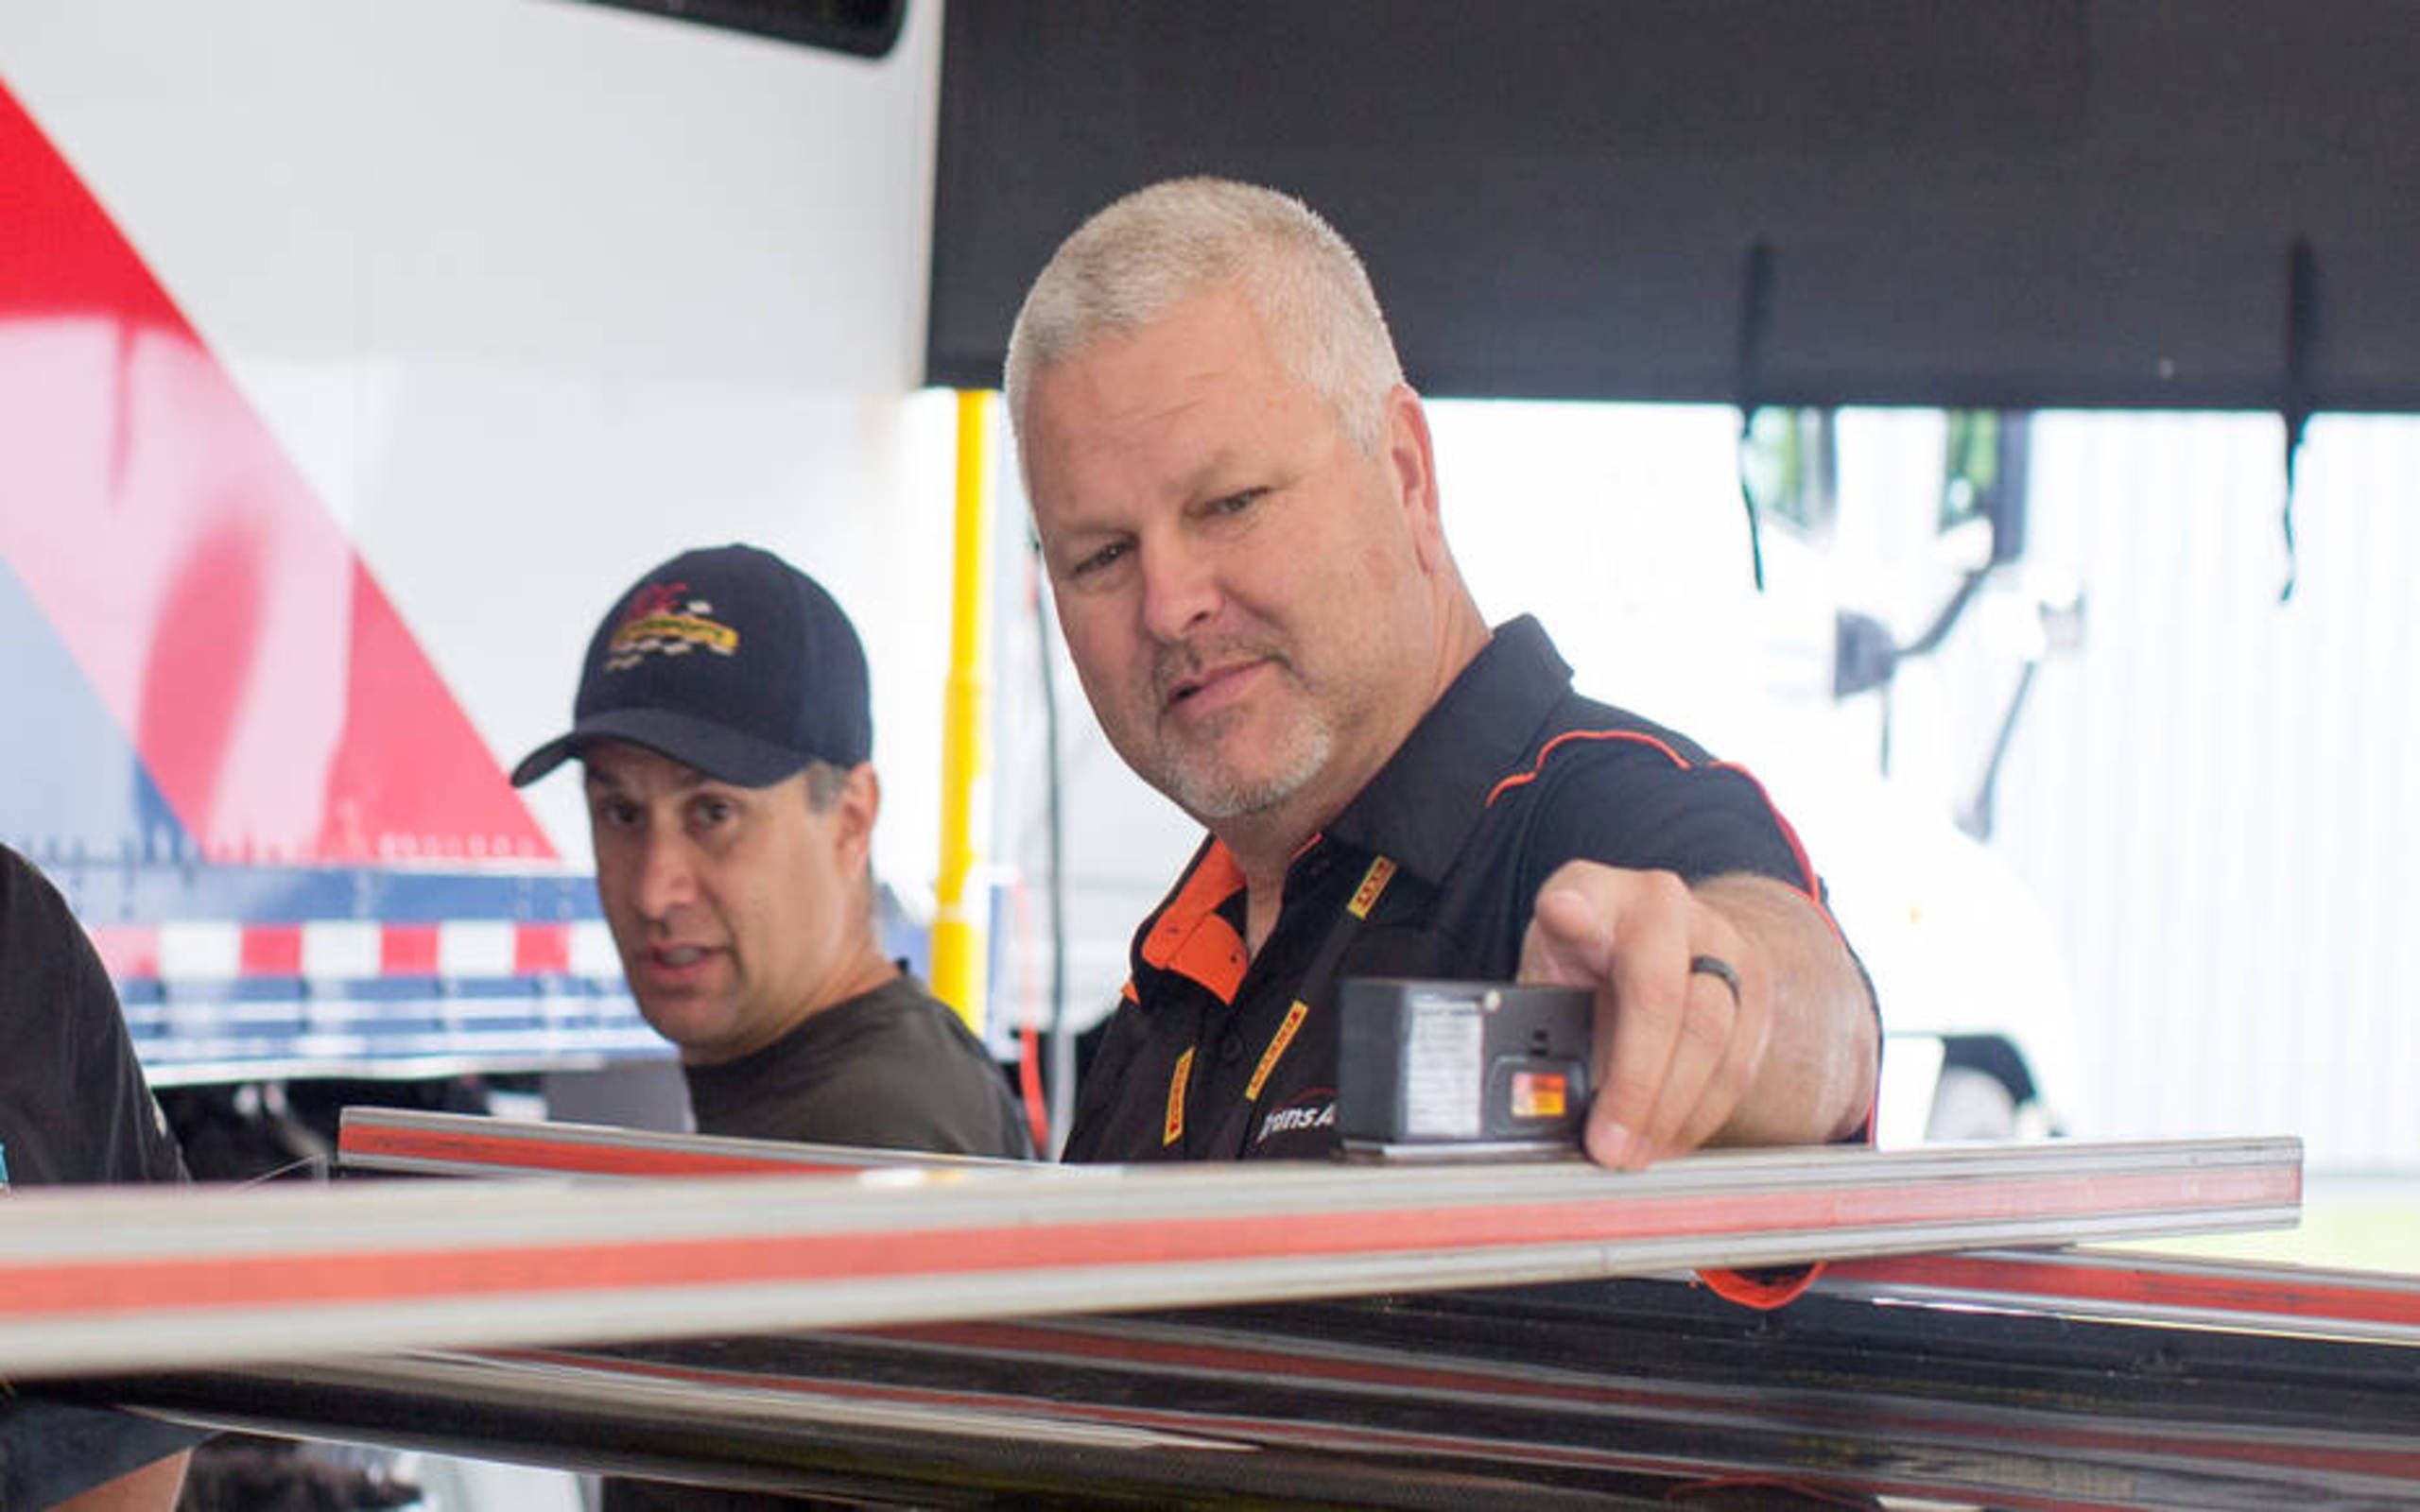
(660, 622)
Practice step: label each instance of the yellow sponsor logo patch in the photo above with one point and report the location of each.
(1277, 1043)
(1173, 1129)
(1373, 882)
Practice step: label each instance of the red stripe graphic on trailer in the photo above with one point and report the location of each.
(407, 950)
(271, 949)
(540, 948)
(126, 949)
(265, 678)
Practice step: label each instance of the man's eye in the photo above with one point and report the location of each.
(1238, 501)
(1105, 556)
(614, 813)
(710, 812)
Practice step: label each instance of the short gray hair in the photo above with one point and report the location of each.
(825, 782)
(1143, 255)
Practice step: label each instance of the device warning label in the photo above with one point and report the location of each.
(1442, 1068)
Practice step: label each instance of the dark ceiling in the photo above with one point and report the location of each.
(2015, 203)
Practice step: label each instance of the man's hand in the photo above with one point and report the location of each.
(1681, 1058)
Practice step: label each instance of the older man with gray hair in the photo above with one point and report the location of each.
(1239, 511)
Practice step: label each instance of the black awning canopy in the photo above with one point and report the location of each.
(2150, 203)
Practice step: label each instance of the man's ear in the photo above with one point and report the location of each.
(860, 803)
(1412, 461)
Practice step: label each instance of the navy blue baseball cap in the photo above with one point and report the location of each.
(728, 660)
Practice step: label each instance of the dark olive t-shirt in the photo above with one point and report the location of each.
(892, 1068)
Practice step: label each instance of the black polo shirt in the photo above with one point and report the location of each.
(1430, 871)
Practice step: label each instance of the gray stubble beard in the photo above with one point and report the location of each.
(1203, 787)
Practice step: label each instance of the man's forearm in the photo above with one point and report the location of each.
(1817, 1079)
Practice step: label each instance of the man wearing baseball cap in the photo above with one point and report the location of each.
(722, 721)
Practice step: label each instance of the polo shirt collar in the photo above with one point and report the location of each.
(1424, 801)
(1190, 933)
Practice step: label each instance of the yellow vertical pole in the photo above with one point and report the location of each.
(961, 901)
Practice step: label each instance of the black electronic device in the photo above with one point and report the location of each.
(1441, 1070)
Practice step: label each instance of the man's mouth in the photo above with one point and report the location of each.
(676, 958)
(1206, 684)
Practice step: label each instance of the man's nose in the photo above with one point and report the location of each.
(668, 877)
(1180, 587)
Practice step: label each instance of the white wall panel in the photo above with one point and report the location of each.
(2215, 793)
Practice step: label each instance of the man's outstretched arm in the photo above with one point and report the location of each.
(1729, 1012)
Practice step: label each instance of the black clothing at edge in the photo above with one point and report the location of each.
(1511, 775)
(74, 1108)
(892, 1068)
